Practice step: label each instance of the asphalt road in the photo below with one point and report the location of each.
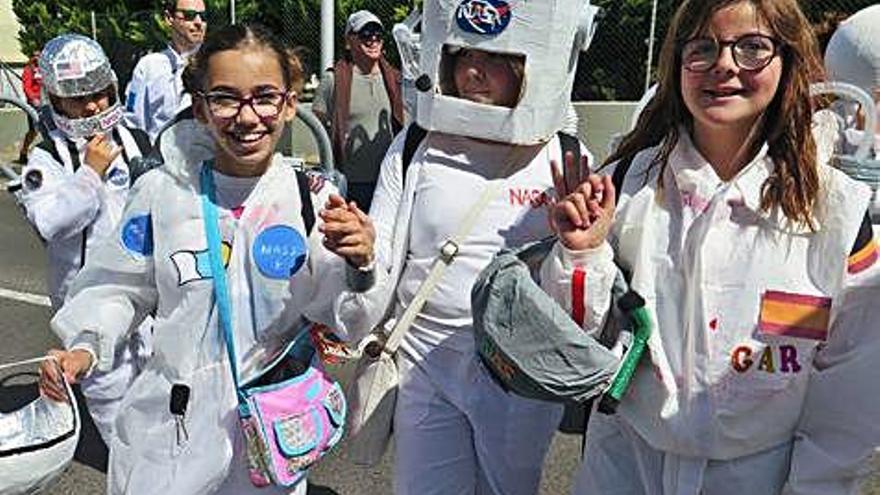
(24, 333)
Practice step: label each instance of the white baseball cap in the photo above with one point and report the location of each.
(359, 19)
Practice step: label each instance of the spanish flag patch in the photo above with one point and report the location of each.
(795, 315)
(864, 252)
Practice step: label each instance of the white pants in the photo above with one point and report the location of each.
(459, 433)
(619, 462)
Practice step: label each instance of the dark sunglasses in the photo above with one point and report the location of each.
(190, 14)
(371, 34)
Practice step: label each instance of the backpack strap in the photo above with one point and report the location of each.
(305, 197)
(415, 134)
(569, 144)
(620, 173)
(142, 140)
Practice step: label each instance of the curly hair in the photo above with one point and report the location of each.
(794, 184)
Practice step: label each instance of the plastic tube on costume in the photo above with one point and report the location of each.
(632, 305)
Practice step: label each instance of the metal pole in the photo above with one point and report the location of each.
(651, 47)
(94, 26)
(327, 22)
(232, 11)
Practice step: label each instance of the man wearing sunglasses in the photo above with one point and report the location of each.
(155, 93)
(359, 101)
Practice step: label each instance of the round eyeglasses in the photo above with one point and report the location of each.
(751, 52)
(265, 105)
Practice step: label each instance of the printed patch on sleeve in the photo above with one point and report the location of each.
(863, 259)
(33, 180)
(130, 101)
(795, 315)
(316, 181)
(864, 252)
(279, 251)
(137, 235)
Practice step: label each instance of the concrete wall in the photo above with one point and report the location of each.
(10, 50)
(599, 121)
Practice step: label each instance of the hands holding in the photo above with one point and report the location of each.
(348, 231)
(73, 364)
(100, 153)
(584, 208)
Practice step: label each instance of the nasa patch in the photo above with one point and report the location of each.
(279, 251)
(486, 17)
(117, 177)
(137, 235)
(33, 180)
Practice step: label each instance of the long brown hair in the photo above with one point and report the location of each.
(787, 127)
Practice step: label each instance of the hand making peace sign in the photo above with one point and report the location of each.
(584, 206)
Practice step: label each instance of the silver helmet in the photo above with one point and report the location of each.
(72, 66)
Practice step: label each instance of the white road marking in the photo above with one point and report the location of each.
(25, 297)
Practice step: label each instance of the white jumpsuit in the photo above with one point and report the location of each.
(761, 370)
(73, 209)
(157, 262)
(155, 93)
(456, 431)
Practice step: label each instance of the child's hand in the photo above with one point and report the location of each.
(583, 211)
(348, 231)
(100, 153)
(73, 364)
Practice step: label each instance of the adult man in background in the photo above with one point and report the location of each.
(31, 85)
(155, 93)
(359, 101)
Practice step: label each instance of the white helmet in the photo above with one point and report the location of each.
(548, 35)
(853, 53)
(73, 66)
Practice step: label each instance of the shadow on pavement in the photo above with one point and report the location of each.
(14, 395)
(321, 490)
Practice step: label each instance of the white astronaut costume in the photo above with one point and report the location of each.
(456, 431)
(760, 363)
(157, 262)
(155, 93)
(73, 209)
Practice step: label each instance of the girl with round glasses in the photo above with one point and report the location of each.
(758, 268)
(178, 430)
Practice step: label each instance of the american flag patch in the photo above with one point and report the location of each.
(795, 315)
(73, 69)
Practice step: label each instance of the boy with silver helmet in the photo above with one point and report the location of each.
(76, 182)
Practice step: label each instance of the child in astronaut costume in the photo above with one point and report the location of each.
(76, 183)
(498, 76)
(758, 376)
(244, 90)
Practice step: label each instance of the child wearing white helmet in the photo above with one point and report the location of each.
(495, 80)
(75, 185)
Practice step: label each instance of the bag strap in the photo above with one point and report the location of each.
(448, 251)
(218, 271)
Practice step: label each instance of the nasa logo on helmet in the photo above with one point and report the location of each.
(488, 17)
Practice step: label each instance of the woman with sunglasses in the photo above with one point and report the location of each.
(757, 265)
(179, 432)
(155, 93)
